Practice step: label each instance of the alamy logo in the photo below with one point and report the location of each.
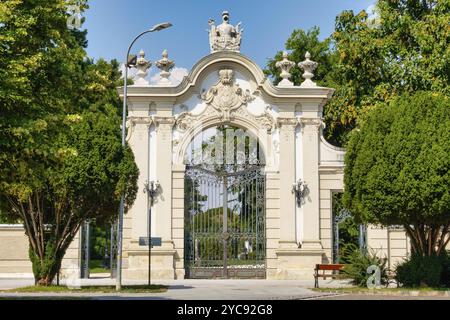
(374, 280)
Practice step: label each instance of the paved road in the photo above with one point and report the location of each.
(217, 290)
(200, 289)
(15, 283)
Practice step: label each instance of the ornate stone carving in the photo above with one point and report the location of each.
(226, 96)
(287, 128)
(312, 124)
(175, 143)
(142, 66)
(287, 122)
(165, 65)
(309, 67)
(166, 122)
(133, 121)
(184, 121)
(285, 65)
(164, 126)
(225, 37)
(266, 120)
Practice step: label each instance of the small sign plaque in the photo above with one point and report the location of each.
(155, 241)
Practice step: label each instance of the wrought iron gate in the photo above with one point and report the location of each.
(225, 234)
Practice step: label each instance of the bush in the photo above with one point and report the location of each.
(445, 277)
(358, 264)
(424, 271)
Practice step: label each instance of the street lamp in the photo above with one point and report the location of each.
(152, 189)
(158, 27)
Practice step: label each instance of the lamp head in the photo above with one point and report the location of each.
(161, 26)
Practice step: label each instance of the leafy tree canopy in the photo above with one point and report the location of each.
(369, 59)
(398, 169)
(61, 155)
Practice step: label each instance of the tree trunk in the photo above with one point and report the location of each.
(45, 270)
(428, 240)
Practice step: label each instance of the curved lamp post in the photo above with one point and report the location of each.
(157, 27)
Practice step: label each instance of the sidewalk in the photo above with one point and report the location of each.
(194, 289)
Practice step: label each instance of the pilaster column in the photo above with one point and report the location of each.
(311, 139)
(138, 139)
(163, 204)
(287, 177)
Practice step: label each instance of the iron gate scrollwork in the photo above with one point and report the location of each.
(225, 227)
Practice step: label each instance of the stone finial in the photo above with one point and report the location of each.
(165, 65)
(285, 65)
(225, 37)
(309, 67)
(142, 66)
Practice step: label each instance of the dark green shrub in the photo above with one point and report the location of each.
(424, 271)
(445, 277)
(356, 269)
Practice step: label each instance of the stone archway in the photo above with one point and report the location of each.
(224, 206)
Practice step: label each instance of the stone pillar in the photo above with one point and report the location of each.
(138, 140)
(287, 178)
(311, 140)
(163, 204)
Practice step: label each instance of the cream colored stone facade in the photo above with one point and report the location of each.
(287, 120)
(390, 243)
(14, 260)
(226, 87)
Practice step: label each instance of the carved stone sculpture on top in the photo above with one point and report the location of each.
(225, 37)
(165, 65)
(285, 65)
(142, 66)
(309, 67)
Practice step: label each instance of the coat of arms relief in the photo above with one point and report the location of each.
(226, 96)
(225, 100)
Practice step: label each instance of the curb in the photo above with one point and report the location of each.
(412, 293)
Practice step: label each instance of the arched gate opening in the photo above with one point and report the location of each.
(225, 227)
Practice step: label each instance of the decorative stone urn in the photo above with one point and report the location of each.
(309, 67)
(165, 65)
(142, 66)
(285, 65)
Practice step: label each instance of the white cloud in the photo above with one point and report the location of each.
(176, 76)
(131, 71)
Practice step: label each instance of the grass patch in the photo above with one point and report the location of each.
(355, 290)
(90, 289)
(44, 298)
(97, 266)
(99, 270)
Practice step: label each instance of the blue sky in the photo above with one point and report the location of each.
(112, 24)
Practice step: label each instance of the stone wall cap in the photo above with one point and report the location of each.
(11, 226)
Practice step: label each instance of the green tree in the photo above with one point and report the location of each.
(298, 44)
(398, 169)
(61, 155)
(402, 49)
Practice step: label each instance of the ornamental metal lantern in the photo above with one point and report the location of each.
(300, 189)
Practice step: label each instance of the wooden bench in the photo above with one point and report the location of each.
(335, 272)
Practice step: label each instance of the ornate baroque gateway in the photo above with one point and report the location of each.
(262, 207)
(236, 216)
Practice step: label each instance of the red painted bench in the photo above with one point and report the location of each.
(334, 274)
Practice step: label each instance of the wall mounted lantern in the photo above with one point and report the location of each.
(300, 189)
